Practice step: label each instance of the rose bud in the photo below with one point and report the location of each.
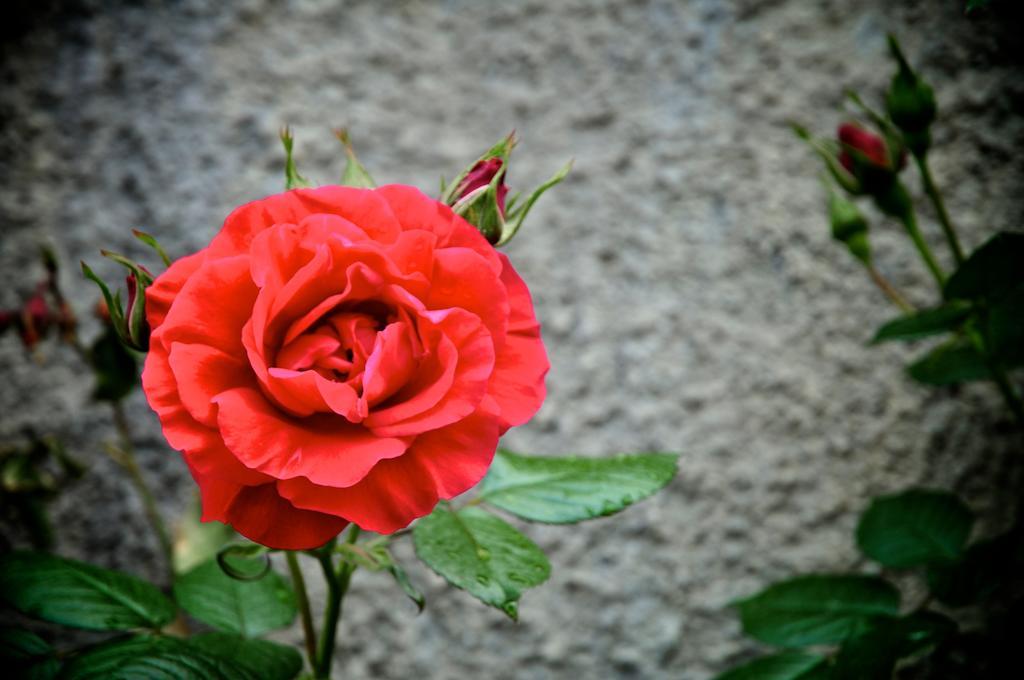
(849, 226)
(35, 319)
(130, 322)
(872, 160)
(910, 103)
(480, 176)
(479, 194)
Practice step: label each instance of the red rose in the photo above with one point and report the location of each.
(340, 355)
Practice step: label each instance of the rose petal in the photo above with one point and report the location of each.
(517, 383)
(161, 293)
(260, 514)
(201, 373)
(440, 464)
(323, 448)
(212, 307)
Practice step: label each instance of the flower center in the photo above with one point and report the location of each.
(338, 345)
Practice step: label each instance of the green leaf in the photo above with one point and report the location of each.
(80, 595)
(482, 554)
(914, 528)
(217, 656)
(810, 610)
(973, 5)
(249, 608)
(567, 490)
(925, 323)
(875, 653)
(782, 666)
(27, 655)
(1004, 328)
(117, 372)
(257, 658)
(952, 362)
(991, 271)
(980, 572)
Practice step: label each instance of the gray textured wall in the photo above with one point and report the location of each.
(691, 298)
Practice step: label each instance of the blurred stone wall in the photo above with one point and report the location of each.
(691, 298)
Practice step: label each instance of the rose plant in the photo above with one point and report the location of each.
(338, 357)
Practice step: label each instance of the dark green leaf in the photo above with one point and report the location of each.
(810, 610)
(402, 579)
(1004, 331)
(979, 573)
(952, 362)
(257, 658)
(81, 595)
(924, 323)
(991, 271)
(976, 4)
(206, 657)
(115, 367)
(250, 608)
(875, 653)
(783, 666)
(27, 655)
(914, 528)
(565, 490)
(481, 554)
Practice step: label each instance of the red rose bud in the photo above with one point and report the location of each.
(856, 140)
(479, 194)
(480, 176)
(35, 319)
(130, 322)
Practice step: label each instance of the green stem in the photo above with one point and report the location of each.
(910, 222)
(337, 587)
(131, 466)
(940, 207)
(888, 289)
(309, 632)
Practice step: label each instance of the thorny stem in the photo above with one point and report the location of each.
(126, 458)
(910, 222)
(940, 207)
(309, 632)
(888, 289)
(337, 587)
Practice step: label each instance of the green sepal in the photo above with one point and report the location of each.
(292, 178)
(828, 150)
(151, 241)
(515, 213)
(410, 590)
(355, 174)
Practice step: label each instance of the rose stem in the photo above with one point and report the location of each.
(337, 586)
(940, 207)
(910, 222)
(307, 617)
(888, 289)
(128, 462)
